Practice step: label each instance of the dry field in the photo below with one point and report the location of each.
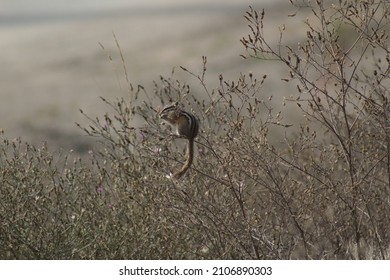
(292, 160)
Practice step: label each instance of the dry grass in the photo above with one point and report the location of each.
(320, 193)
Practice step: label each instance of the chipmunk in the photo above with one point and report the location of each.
(187, 126)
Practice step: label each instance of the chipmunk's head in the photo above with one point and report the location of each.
(170, 112)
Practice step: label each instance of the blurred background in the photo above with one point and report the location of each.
(52, 63)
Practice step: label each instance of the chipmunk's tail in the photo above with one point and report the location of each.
(190, 158)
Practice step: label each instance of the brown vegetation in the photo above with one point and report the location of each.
(320, 193)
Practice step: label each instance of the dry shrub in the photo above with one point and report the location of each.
(246, 196)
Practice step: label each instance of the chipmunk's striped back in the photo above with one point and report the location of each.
(191, 129)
